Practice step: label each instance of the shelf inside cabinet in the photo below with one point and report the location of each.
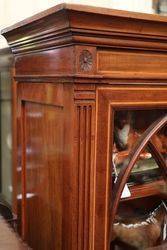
(145, 190)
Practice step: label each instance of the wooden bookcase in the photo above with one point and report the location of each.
(74, 66)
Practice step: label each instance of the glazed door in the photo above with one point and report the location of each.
(125, 117)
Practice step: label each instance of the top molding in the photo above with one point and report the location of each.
(88, 9)
(67, 24)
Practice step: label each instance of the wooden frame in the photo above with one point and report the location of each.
(110, 99)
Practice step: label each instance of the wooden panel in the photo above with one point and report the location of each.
(131, 96)
(51, 62)
(43, 139)
(100, 19)
(47, 179)
(41, 33)
(84, 149)
(42, 93)
(124, 62)
(103, 173)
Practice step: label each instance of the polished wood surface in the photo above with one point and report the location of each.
(129, 62)
(74, 66)
(50, 61)
(43, 175)
(88, 9)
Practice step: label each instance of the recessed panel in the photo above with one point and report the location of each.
(43, 137)
(127, 62)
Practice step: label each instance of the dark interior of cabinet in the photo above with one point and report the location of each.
(139, 224)
(128, 127)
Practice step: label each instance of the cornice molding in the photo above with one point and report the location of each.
(67, 24)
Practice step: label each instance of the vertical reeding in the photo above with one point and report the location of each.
(84, 140)
(23, 177)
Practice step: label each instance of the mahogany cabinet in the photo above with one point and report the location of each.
(89, 102)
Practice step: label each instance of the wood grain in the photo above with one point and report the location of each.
(84, 144)
(46, 195)
(89, 25)
(43, 175)
(50, 62)
(131, 62)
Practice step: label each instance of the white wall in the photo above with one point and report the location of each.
(133, 5)
(12, 11)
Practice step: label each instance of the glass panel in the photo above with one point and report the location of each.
(141, 219)
(128, 127)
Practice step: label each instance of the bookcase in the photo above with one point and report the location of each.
(89, 103)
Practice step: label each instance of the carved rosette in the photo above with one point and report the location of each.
(86, 60)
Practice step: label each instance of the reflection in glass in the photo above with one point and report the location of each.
(128, 127)
(141, 219)
(140, 224)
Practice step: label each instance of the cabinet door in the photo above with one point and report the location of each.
(45, 187)
(123, 114)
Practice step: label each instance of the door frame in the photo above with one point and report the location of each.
(108, 100)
